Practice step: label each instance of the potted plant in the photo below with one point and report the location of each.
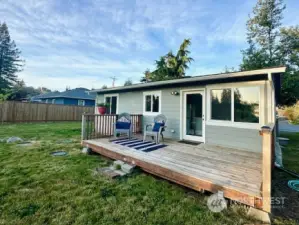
(102, 107)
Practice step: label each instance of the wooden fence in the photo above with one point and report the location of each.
(96, 126)
(19, 112)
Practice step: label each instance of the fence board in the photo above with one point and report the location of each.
(18, 112)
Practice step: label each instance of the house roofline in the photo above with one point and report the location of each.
(266, 71)
(66, 97)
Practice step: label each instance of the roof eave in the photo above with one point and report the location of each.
(275, 70)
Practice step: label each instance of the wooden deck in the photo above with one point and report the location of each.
(202, 167)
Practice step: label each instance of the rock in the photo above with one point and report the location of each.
(118, 164)
(259, 215)
(127, 168)
(108, 172)
(14, 140)
(87, 151)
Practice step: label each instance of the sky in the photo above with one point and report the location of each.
(83, 43)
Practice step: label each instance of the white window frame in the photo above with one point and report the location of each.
(117, 100)
(159, 93)
(232, 123)
(47, 101)
(53, 101)
(82, 101)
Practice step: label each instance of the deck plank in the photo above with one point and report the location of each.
(187, 173)
(199, 164)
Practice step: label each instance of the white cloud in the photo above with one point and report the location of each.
(68, 42)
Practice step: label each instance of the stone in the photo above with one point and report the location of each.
(117, 164)
(14, 140)
(259, 215)
(87, 150)
(110, 172)
(127, 168)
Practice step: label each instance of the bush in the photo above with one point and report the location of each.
(292, 113)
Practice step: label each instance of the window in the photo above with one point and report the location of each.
(152, 102)
(53, 101)
(81, 102)
(112, 100)
(47, 101)
(221, 104)
(234, 106)
(246, 104)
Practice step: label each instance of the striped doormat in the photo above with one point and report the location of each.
(140, 145)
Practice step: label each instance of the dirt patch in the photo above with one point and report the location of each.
(285, 200)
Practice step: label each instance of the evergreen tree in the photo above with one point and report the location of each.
(263, 32)
(10, 61)
(171, 66)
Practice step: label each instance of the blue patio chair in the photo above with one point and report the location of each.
(155, 130)
(123, 125)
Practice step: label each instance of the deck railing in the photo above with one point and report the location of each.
(268, 154)
(96, 126)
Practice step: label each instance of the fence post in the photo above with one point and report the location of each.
(83, 130)
(266, 167)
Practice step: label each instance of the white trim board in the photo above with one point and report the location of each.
(182, 109)
(145, 93)
(232, 123)
(117, 100)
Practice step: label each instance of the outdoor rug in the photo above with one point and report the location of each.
(139, 145)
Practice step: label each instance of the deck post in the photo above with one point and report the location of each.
(83, 125)
(266, 132)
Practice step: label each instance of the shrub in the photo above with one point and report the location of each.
(292, 113)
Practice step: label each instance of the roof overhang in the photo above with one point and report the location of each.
(261, 74)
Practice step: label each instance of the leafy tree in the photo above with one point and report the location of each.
(171, 66)
(289, 50)
(10, 61)
(104, 86)
(20, 91)
(128, 82)
(147, 75)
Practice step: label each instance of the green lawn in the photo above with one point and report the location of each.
(37, 188)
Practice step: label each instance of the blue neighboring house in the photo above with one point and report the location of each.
(77, 96)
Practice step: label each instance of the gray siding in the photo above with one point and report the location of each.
(130, 102)
(171, 109)
(240, 138)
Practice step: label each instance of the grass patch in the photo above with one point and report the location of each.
(38, 188)
(290, 209)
